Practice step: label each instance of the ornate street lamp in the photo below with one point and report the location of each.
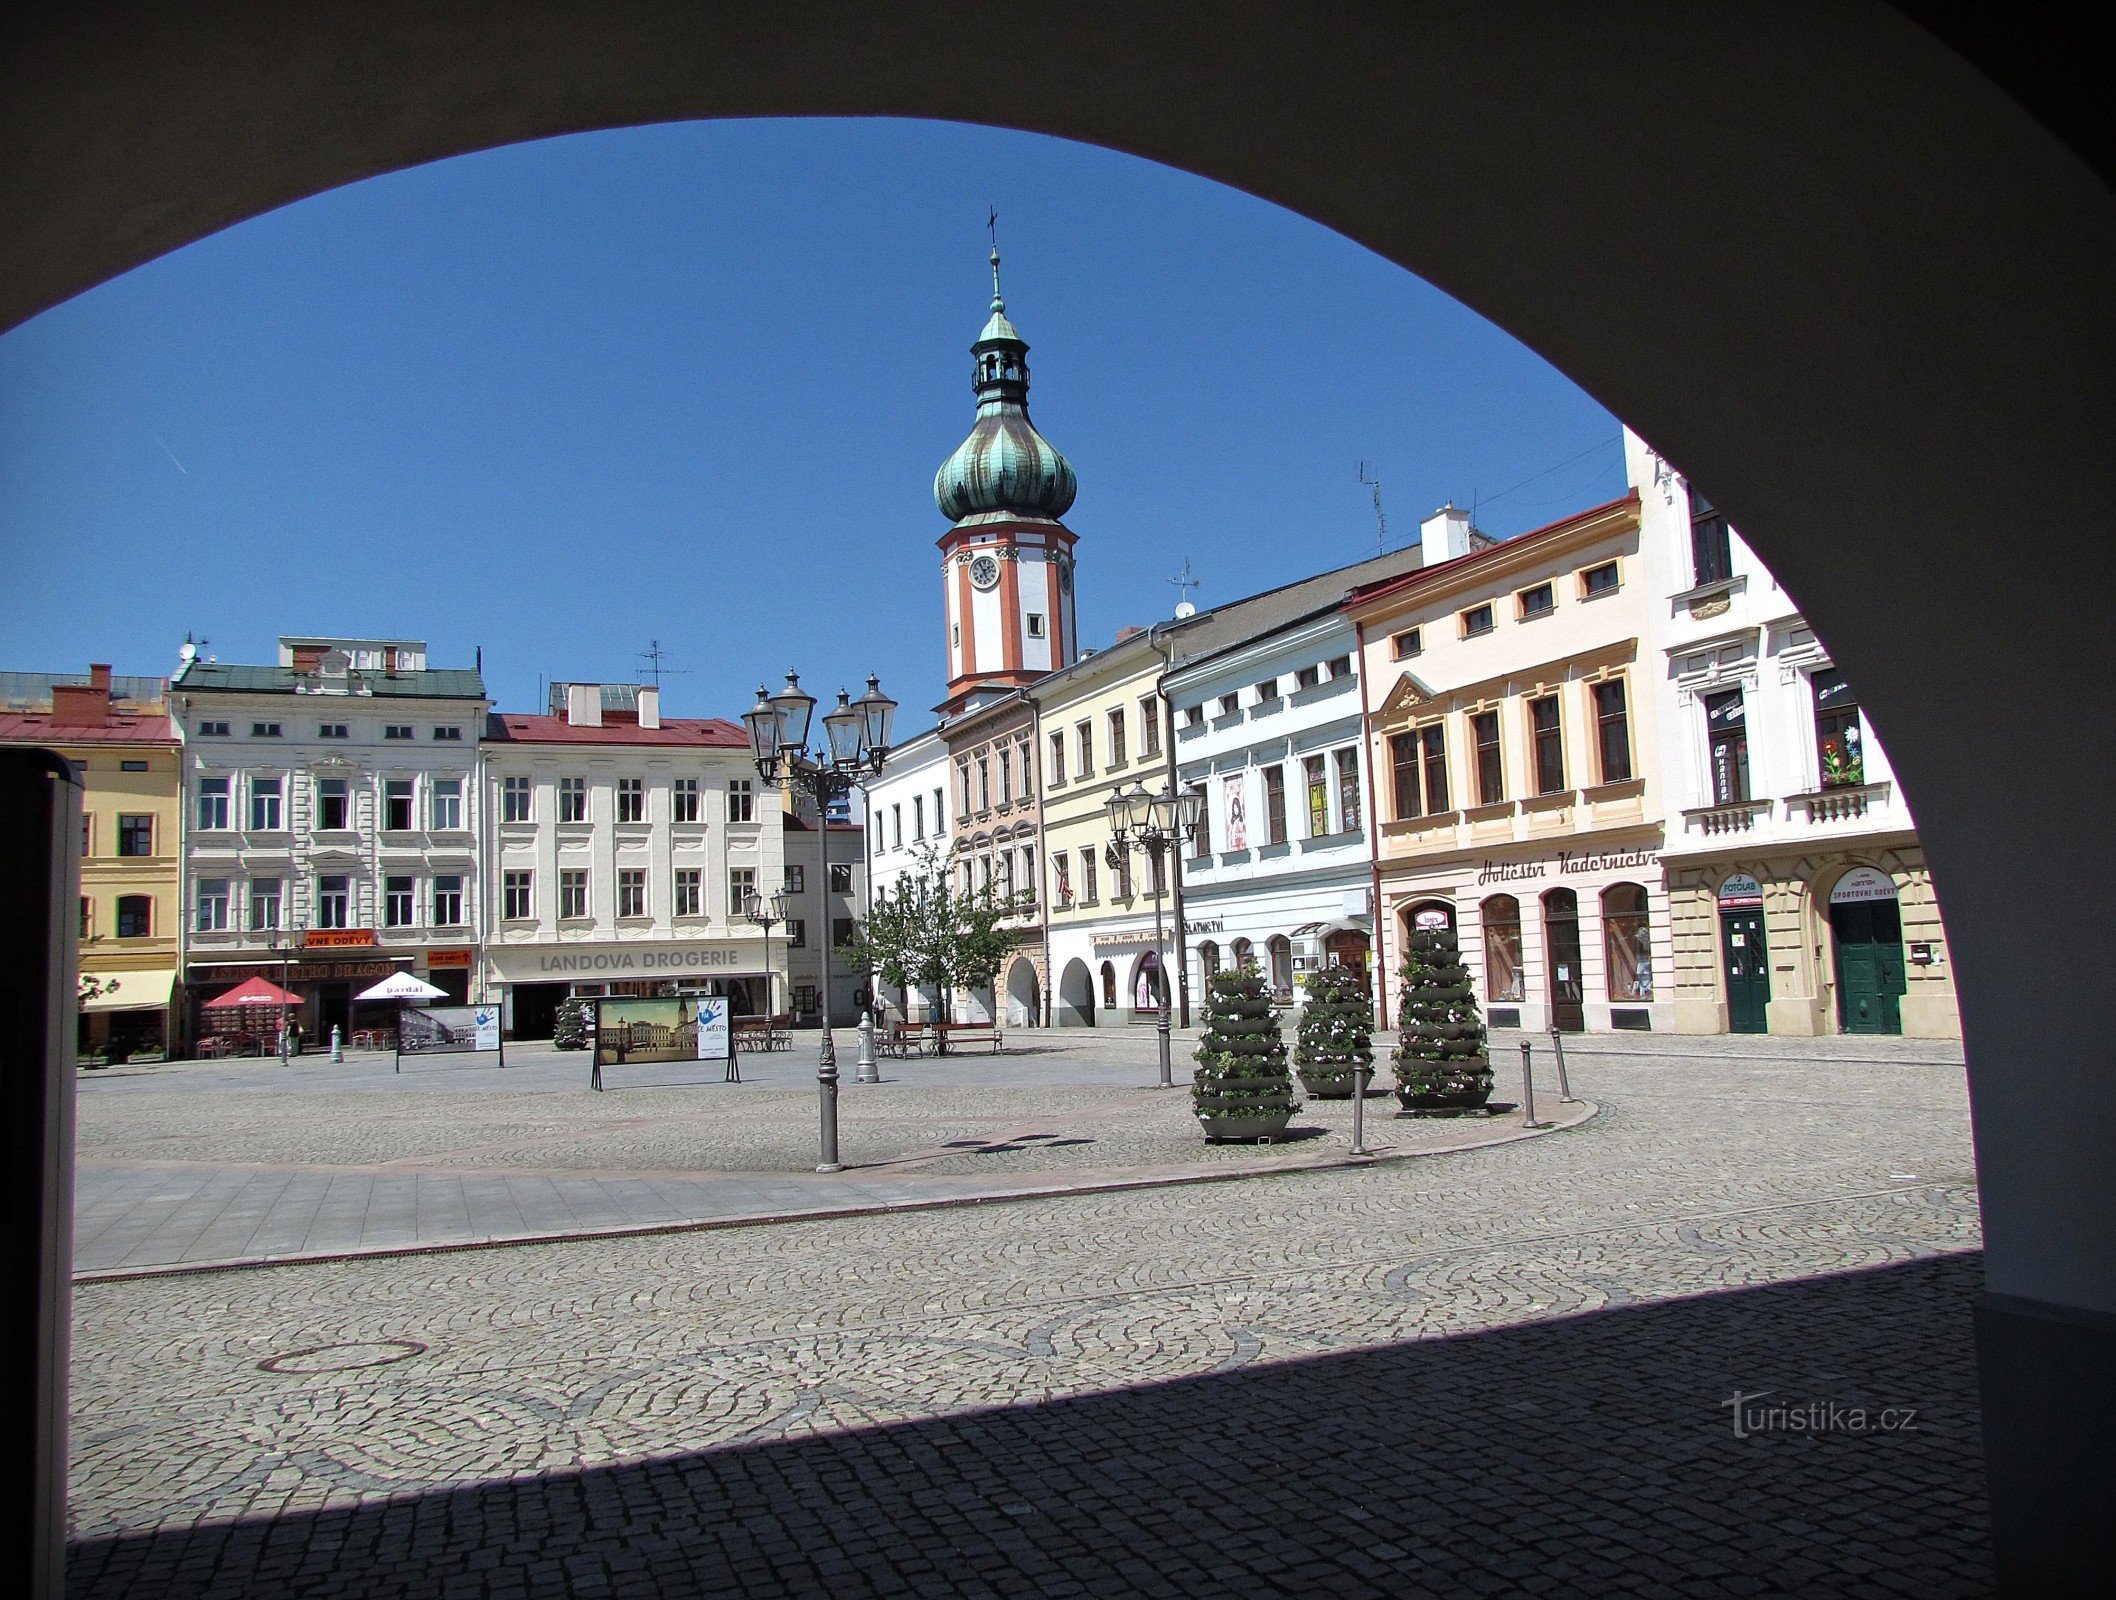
(856, 744)
(766, 914)
(1155, 824)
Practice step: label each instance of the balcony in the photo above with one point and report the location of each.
(1846, 803)
(1733, 817)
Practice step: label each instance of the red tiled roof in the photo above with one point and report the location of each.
(713, 733)
(36, 727)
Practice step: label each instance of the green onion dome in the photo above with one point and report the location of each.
(1005, 465)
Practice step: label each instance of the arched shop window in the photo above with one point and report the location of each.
(1627, 941)
(1281, 952)
(1244, 954)
(1109, 987)
(1208, 958)
(1502, 949)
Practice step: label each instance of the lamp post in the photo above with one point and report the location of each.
(856, 744)
(1155, 823)
(285, 952)
(766, 914)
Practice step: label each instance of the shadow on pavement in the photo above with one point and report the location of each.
(1587, 1455)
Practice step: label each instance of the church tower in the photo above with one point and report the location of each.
(1007, 563)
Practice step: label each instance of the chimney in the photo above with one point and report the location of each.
(650, 706)
(1444, 535)
(83, 705)
(584, 705)
(99, 675)
(1128, 633)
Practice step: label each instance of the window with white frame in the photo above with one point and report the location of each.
(396, 730)
(684, 796)
(631, 891)
(334, 901)
(573, 799)
(213, 730)
(267, 811)
(690, 891)
(1150, 726)
(515, 799)
(1348, 807)
(396, 805)
(333, 805)
(211, 906)
(212, 804)
(631, 800)
(267, 904)
(264, 730)
(741, 885)
(1057, 766)
(397, 902)
(448, 900)
(447, 803)
(741, 800)
(573, 892)
(448, 735)
(516, 904)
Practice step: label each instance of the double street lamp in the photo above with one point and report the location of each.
(856, 743)
(766, 914)
(1156, 824)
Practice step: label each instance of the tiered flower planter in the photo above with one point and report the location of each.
(1241, 1090)
(1443, 1066)
(1336, 1037)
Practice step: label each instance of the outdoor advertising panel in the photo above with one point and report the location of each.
(438, 1030)
(682, 1028)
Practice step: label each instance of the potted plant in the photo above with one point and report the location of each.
(1443, 1068)
(1336, 1035)
(1241, 1089)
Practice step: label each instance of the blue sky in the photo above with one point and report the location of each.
(691, 383)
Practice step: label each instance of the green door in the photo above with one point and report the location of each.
(1870, 972)
(1748, 970)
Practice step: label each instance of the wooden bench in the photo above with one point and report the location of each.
(900, 1039)
(763, 1033)
(955, 1034)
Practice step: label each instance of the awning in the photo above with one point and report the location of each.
(1321, 930)
(253, 992)
(135, 991)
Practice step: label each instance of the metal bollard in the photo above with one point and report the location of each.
(866, 1072)
(1361, 1073)
(337, 1044)
(1557, 1048)
(1528, 1090)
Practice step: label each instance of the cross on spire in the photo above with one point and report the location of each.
(992, 222)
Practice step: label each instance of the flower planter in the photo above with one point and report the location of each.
(1244, 1129)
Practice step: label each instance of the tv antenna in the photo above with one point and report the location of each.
(654, 655)
(1185, 581)
(1381, 525)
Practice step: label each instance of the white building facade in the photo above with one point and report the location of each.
(620, 853)
(1269, 734)
(1800, 899)
(907, 823)
(331, 818)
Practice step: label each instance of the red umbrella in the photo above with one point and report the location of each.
(255, 992)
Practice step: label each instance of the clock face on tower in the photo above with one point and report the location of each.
(984, 571)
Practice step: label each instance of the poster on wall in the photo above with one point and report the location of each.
(444, 1030)
(1237, 813)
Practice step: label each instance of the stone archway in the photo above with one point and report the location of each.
(1797, 366)
(1076, 996)
(1024, 1007)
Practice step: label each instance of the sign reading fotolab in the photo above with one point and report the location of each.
(1862, 884)
(1740, 889)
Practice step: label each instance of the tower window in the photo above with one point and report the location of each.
(1035, 624)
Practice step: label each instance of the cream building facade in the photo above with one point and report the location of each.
(1799, 897)
(619, 852)
(1512, 736)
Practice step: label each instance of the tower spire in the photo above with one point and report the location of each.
(992, 222)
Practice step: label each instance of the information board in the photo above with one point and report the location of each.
(440, 1030)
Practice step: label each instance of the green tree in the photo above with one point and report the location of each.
(1442, 1063)
(1241, 1089)
(927, 933)
(1336, 1036)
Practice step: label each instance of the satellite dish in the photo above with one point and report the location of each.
(1185, 609)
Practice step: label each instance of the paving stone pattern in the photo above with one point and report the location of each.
(1495, 1372)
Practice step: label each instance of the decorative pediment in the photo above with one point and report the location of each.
(1407, 697)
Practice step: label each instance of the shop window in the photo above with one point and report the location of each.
(332, 805)
(516, 904)
(448, 900)
(1711, 545)
(1491, 768)
(267, 904)
(396, 902)
(573, 892)
(1316, 776)
(690, 891)
(1549, 742)
(1208, 958)
(684, 800)
(1501, 915)
(1349, 812)
(1839, 747)
(1109, 987)
(1627, 938)
(1244, 954)
(1727, 734)
(265, 804)
(136, 916)
(1280, 950)
(396, 805)
(1612, 728)
(631, 800)
(212, 804)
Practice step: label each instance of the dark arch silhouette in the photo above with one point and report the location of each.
(1812, 254)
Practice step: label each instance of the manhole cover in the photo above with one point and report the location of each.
(343, 1357)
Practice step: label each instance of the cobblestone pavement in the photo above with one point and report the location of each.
(1500, 1371)
(217, 1162)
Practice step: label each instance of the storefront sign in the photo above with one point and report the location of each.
(440, 960)
(1586, 861)
(337, 938)
(1124, 941)
(1860, 885)
(1431, 918)
(1740, 889)
(293, 972)
(635, 960)
(1206, 925)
